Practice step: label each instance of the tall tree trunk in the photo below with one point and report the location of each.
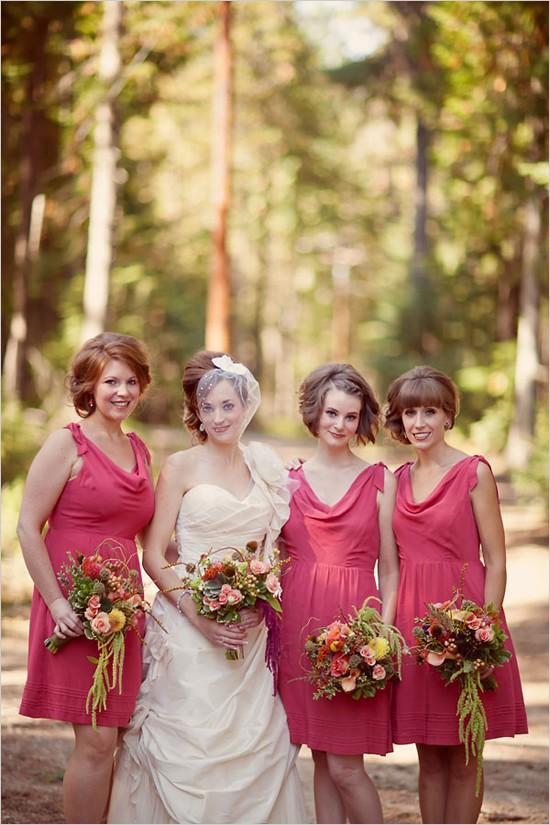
(418, 264)
(15, 359)
(103, 194)
(520, 436)
(218, 334)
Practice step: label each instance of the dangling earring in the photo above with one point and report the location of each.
(201, 428)
(91, 403)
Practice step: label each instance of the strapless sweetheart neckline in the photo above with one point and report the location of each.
(223, 489)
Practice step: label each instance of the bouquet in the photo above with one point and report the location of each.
(221, 588)
(465, 644)
(108, 597)
(359, 655)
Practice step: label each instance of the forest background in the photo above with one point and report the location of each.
(296, 182)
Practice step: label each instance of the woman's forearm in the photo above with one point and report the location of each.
(388, 593)
(495, 584)
(164, 576)
(37, 561)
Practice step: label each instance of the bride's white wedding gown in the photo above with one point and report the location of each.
(208, 742)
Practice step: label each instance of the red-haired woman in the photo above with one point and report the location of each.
(446, 507)
(89, 482)
(339, 530)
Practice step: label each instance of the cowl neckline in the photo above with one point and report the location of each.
(330, 509)
(439, 488)
(84, 443)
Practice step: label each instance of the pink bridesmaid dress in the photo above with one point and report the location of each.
(102, 501)
(435, 537)
(333, 553)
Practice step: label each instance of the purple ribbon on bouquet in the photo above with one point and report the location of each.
(273, 641)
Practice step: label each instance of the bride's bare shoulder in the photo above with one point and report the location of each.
(182, 460)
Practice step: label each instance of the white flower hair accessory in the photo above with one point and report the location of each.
(226, 363)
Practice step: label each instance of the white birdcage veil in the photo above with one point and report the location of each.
(241, 379)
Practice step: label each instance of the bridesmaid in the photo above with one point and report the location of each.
(338, 531)
(89, 481)
(447, 506)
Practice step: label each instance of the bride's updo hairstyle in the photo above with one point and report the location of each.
(420, 387)
(204, 371)
(344, 377)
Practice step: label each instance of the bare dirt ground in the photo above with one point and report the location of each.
(34, 752)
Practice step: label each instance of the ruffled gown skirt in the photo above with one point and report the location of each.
(208, 742)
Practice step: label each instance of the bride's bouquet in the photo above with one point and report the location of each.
(108, 597)
(222, 587)
(359, 655)
(465, 644)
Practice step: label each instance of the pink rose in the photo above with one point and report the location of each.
(101, 624)
(378, 673)
(485, 634)
(224, 593)
(135, 600)
(213, 604)
(339, 665)
(234, 597)
(94, 603)
(473, 621)
(258, 567)
(367, 654)
(273, 585)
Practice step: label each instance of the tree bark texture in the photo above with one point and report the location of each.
(218, 335)
(103, 193)
(32, 209)
(520, 436)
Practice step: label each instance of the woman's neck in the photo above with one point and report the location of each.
(223, 453)
(436, 456)
(334, 456)
(97, 425)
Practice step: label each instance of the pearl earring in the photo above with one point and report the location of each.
(91, 403)
(201, 428)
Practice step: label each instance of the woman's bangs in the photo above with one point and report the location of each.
(422, 392)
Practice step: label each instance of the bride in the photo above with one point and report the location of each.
(208, 742)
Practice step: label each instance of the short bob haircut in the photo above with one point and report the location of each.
(90, 361)
(198, 365)
(315, 386)
(420, 387)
